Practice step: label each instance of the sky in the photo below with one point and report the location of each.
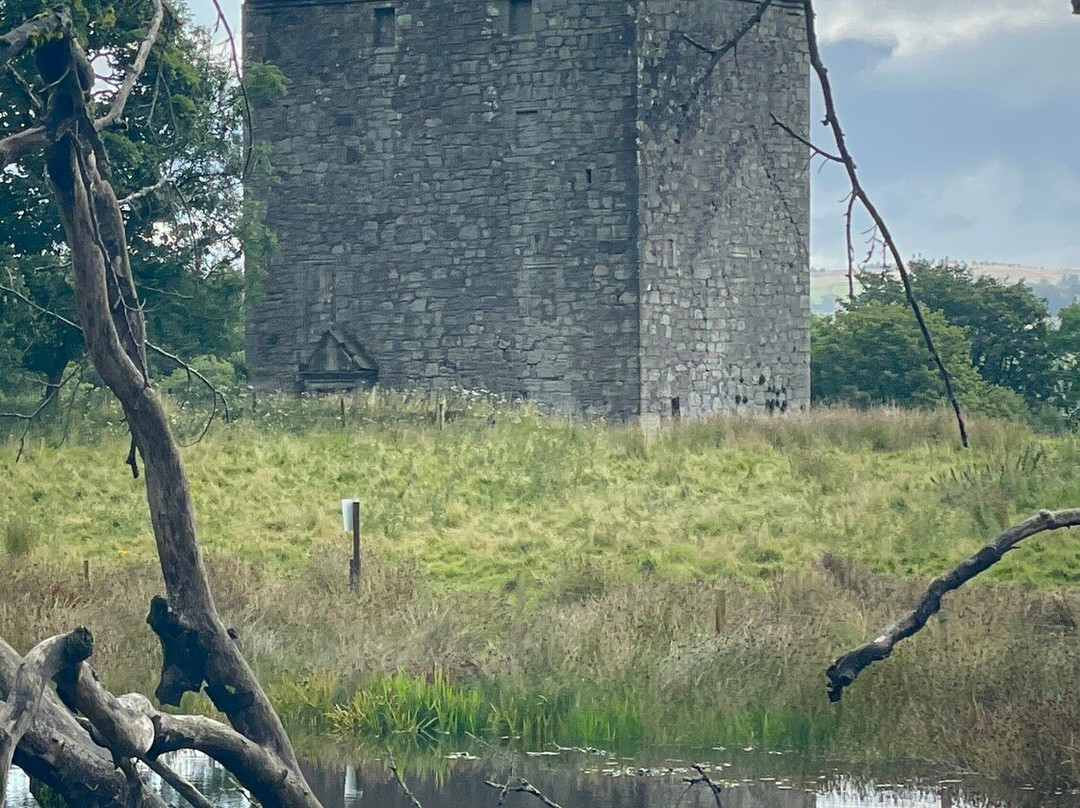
(963, 117)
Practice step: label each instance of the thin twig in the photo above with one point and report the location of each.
(11, 290)
(703, 777)
(29, 418)
(193, 372)
(243, 89)
(523, 787)
(849, 216)
(178, 783)
(832, 120)
(718, 53)
(143, 192)
(401, 782)
(70, 407)
(805, 141)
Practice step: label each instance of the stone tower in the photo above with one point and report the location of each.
(566, 200)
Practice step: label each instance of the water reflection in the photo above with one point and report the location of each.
(584, 781)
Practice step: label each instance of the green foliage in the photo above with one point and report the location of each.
(1001, 332)
(875, 354)
(1006, 325)
(1064, 346)
(182, 123)
(264, 84)
(421, 706)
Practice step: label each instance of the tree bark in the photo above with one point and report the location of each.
(130, 727)
(196, 644)
(41, 664)
(56, 750)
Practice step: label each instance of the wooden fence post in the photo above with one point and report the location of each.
(721, 611)
(354, 564)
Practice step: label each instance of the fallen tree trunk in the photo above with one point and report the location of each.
(44, 661)
(847, 668)
(130, 726)
(57, 751)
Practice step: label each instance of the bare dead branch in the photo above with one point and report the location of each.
(30, 418)
(41, 27)
(832, 120)
(390, 764)
(845, 669)
(193, 372)
(11, 290)
(523, 787)
(849, 216)
(143, 192)
(180, 785)
(135, 70)
(14, 148)
(57, 751)
(806, 142)
(703, 778)
(719, 52)
(43, 662)
(131, 727)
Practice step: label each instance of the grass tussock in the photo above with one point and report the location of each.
(557, 582)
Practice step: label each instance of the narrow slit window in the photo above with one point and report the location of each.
(521, 17)
(676, 407)
(588, 176)
(385, 28)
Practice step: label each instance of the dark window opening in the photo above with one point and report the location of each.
(385, 28)
(588, 176)
(676, 407)
(521, 17)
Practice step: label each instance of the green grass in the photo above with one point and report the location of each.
(478, 506)
(556, 581)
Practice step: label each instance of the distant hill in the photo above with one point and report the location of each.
(1059, 287)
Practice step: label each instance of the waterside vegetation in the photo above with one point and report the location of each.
(581, 584)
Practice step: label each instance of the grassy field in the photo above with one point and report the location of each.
(478, 505)
(554, 580)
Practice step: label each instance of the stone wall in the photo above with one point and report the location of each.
(567, 213)
(461, 200)
(724, 210)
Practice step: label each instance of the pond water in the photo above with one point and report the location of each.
(593, 779)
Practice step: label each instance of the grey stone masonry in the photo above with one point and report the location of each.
(554, 199)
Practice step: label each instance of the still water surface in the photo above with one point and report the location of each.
(575, 780)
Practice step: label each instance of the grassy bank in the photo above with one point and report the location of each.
(557, 581)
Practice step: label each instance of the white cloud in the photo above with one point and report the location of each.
(991, 209)
(911, 28)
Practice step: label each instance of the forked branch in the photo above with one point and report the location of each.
(702, 777)
(522, 786)
(846, 669)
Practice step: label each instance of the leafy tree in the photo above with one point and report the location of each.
(1006, 325)
(175, 155)
(875, 354)
(1064, 346)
